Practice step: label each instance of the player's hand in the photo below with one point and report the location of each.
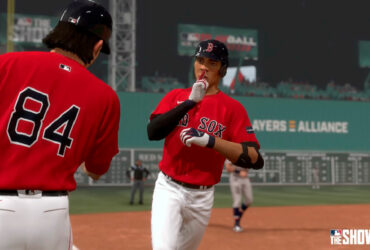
(199, 89)
(230, 168)
(191, 136)
(243, 173)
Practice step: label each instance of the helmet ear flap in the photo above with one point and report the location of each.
(223, 70)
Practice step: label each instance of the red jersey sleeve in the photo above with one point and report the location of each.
(106, 146)
(166, 104)
(242, 130)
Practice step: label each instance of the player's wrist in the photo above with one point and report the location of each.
(211, 141)
(189, 103)
(191, 136)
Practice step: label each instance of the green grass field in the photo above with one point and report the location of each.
(116, 199)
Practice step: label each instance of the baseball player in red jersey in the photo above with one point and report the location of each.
(202, 126)
(54, 116)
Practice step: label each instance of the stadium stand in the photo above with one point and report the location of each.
(160, 84)
(284, 89)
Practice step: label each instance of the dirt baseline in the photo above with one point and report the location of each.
(296, 227)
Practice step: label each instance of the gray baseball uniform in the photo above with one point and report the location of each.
(241, 190)
(315, 177)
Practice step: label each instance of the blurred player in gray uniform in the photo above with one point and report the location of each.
(241, 187)
(315, 177)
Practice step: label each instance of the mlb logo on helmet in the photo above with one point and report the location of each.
(72, 20)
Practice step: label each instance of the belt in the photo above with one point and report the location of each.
(33, 192)
(187, 185)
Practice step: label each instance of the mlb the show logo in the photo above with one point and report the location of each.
(350, 236)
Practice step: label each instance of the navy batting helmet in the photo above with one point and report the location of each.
(215, 50)
(90, 16)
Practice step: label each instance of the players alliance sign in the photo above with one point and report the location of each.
(268, 125)
(322, 125)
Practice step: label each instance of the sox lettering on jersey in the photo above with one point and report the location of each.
(211, 125)
(206, 124)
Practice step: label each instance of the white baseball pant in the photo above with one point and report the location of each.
(35, 222)
(180, 215)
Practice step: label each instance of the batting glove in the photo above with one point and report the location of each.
(191, 136)
(199, 90)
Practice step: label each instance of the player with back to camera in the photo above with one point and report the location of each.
(202, 126)
(54, 116)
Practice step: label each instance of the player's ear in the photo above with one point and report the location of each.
(96, 51)
(97, 48)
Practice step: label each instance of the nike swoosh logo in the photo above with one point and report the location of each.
(179, 102)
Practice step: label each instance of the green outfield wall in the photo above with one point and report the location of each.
(279, 124)
(295, 136)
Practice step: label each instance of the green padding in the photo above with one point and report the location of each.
(135, 111)
(318, 124)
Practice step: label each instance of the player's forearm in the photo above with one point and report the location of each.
(162, 125)
(243, 154)
(232, 150)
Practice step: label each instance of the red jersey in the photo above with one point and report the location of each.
(218, 115)
(54, 115)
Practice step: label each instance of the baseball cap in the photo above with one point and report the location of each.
(213, 49)
(91, 16)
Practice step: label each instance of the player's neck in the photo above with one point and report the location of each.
(69, 55)
(212, 90)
